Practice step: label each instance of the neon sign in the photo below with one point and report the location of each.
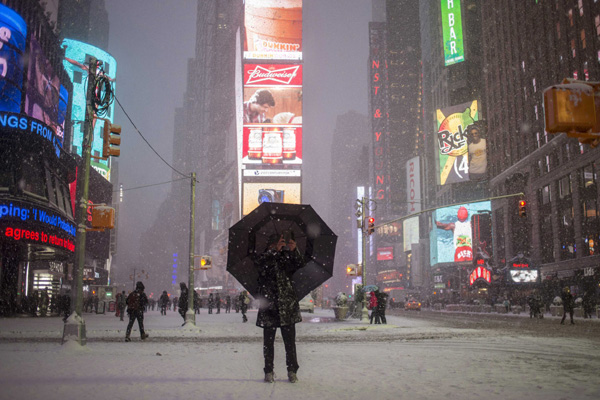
(454, 51)
(480, 273)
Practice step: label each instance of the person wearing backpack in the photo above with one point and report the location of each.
(136, 303)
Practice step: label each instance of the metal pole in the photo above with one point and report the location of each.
(190, 316)
(364, 312)
(83, 188)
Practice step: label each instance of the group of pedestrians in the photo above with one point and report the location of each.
(377, 305)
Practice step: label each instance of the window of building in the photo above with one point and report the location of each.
(590, 221)
(583, 45)
(32, 180)
(586, 71)
(534, 85)
(597, 23)
(571, 17)
(546, 238)
(566, 230)
(564, 186)
(573, 48)
(535, 109)
(580, 4)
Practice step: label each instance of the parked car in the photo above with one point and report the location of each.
(412, 304)
(307, 304)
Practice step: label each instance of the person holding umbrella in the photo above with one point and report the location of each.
(278, 306)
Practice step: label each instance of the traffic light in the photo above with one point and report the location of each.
(370, 226)
(111, 140)
(205, 262)
(522, 208)
(351, 269)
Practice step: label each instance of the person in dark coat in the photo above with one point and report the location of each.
(197, 303)
(218, 303)
(568, 305)
(228, 304)
(244, 300)
(211, 303)
(136, 303)
(278, 307)
(164, 302)
(588, 304)
(381, 306)
(183, 301)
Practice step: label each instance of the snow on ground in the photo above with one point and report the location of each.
(406, 359)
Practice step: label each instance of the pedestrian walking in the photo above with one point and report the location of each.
(66, 305)
(568, 305)
(243, 301)
(183, 301)
(121, 304)
(228, 304)
(279, 306)
(588, 304)
(136, 302)
(381, 306)
(211, 303)
(218, 303)
(164, 302)
(373, 308)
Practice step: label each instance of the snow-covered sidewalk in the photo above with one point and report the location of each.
(406, 359)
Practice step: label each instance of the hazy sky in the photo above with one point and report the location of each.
(152, 41)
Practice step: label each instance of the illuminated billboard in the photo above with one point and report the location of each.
(272, 115)
(46, 98)
(411, 232)
(454, 50)
(255, 193)
(453, 145)
(273, 29)
(76, 59)
(13, 31)
(453, 232)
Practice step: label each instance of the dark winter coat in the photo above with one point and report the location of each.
(568, 302)
(164, 300)
(381, 301)
(183, 299)
(278, 305)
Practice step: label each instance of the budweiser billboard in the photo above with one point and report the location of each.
(270, 75)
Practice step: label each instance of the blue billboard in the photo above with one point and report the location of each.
(13, 31)
(454, 230)
(77, 55)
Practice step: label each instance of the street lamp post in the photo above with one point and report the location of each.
(190, 316)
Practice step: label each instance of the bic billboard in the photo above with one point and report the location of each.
(453, 145)
(454, 51)
(77, 56)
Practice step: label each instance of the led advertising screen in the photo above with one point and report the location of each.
(13, 31)
(254, 194)
(273, 29)
(453, 125)
(454, 51)
(46, 99)
(411, 232)
(385, 253)
(452, 234)
(76, 58)
(524, 275)
(272, 114)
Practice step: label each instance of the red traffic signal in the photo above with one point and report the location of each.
(522, 208)
(371, 226)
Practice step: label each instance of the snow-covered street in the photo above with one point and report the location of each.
(409, 358)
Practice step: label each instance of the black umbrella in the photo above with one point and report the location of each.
(314, 240)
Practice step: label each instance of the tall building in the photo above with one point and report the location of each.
(84, 20)
(350, 160)
(203, 142)
(558, 175)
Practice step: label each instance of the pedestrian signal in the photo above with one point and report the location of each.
(205, 262)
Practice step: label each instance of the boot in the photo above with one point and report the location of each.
(292, 377)
(269, 377)
(127, 339)
(145, 336)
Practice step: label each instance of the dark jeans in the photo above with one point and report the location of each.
(182, 313)
(163, 310)
(289, 341)
(139, 315)
(562, 321)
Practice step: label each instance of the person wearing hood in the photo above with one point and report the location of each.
(183, 301)
(136, 303)
(278, 305)
(568, 305)
(164, 302)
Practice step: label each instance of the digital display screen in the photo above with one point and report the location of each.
(454, 51)
(77, 55)
(452, 234)
(13, 33)
(254, 194)
(273, 29)
(524, 275)
(46, 99)
(455, 146)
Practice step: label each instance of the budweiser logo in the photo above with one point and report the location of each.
(262, 74)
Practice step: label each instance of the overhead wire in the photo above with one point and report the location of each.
(152, 184)
(148, 143)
